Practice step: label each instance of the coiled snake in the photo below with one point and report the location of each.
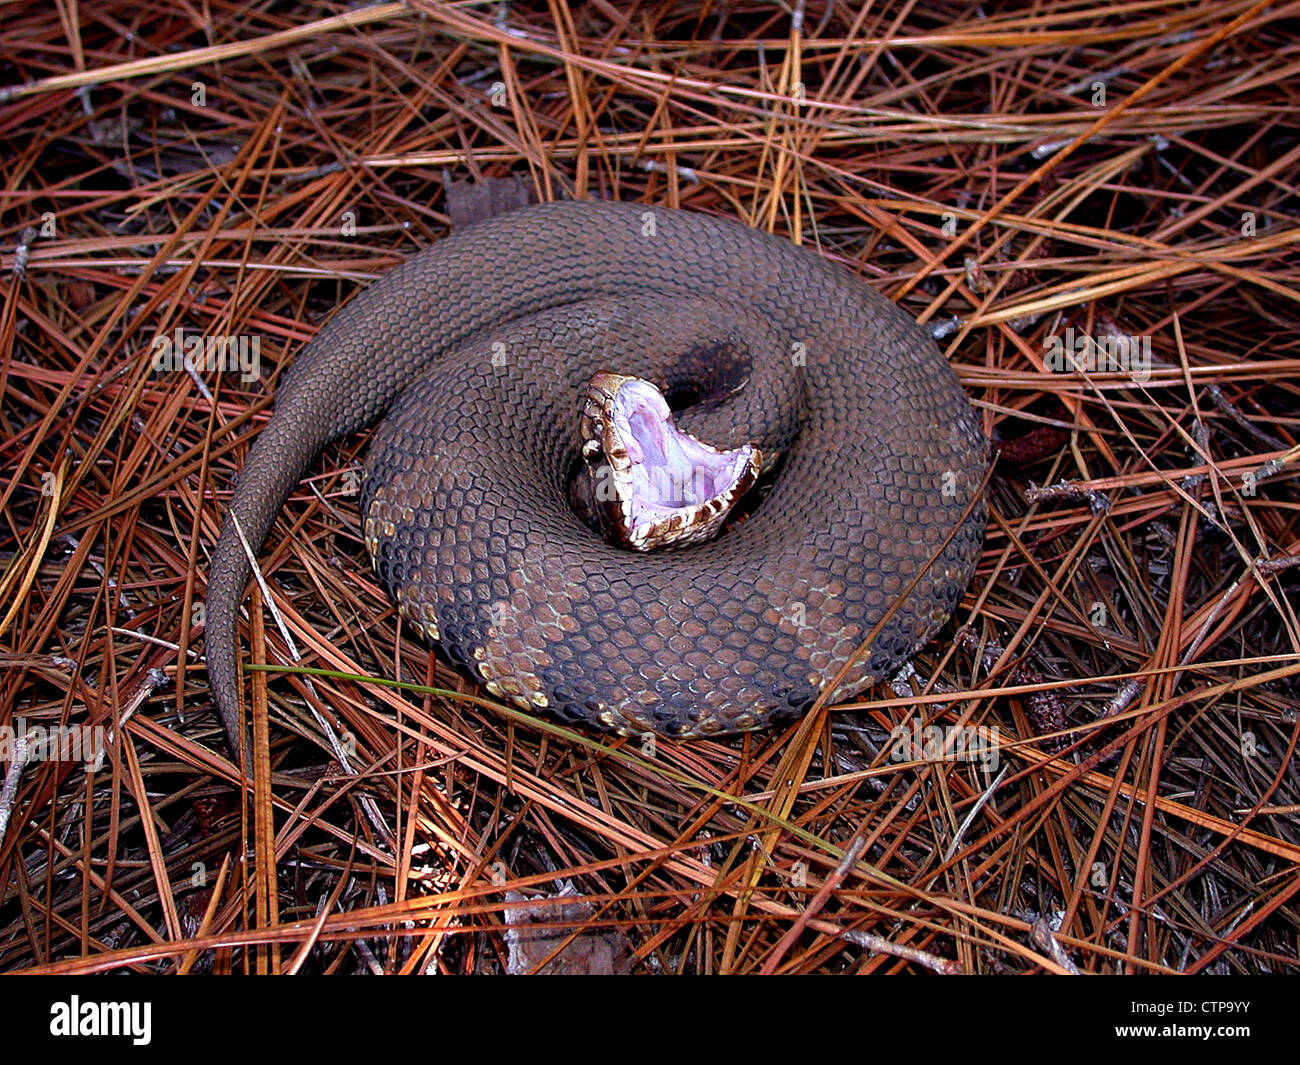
(491, 353)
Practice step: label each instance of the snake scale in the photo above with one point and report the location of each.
(480, 352)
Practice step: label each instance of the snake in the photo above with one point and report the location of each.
(646, 470)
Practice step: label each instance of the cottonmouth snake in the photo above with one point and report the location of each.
(480, 350)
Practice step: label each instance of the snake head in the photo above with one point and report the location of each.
(657, 485)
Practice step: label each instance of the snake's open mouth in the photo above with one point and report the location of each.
(657, 485)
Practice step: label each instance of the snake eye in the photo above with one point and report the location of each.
(663, 487)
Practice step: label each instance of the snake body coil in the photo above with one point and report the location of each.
(479, 349)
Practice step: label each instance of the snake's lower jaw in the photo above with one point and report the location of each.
(658, 486)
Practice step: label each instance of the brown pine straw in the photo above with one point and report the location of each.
(1129, 171)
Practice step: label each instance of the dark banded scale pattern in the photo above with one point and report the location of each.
(477, 352)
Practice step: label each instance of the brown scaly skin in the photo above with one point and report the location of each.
(479, 350)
